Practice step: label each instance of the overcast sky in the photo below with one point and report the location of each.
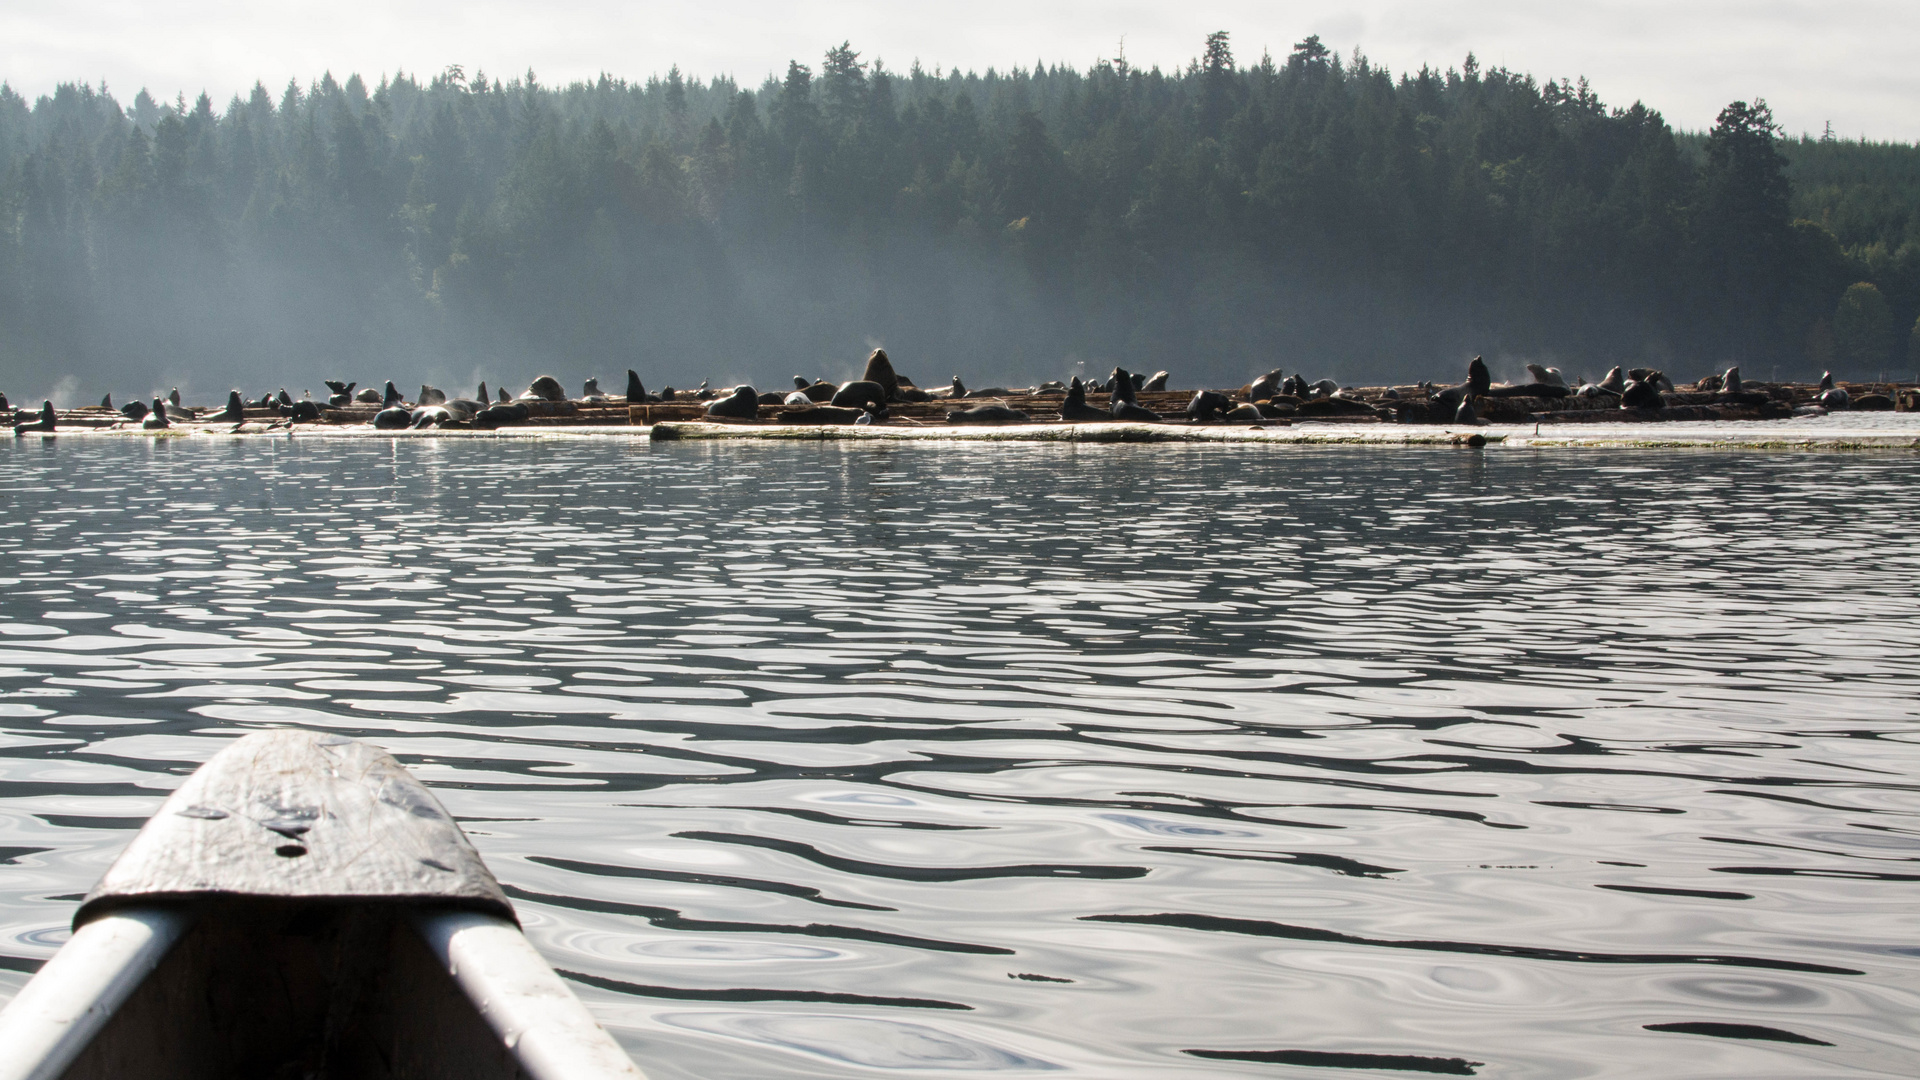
(1856, 65)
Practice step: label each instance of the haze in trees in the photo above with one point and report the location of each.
(1310, 212)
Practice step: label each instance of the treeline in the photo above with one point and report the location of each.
(1315, 213)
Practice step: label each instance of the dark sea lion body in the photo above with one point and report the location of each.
(545, 388)
(430, 395)
(393, 418)
(1207, 405)
(1120, 386)
(1834, 399)
(428, 416)
(369, 396)
(1133, 413)
(986, 414)
(879, 371)
(771, 398)
(1075, 410)
(235, 411)
(742, 404)
(1479, 379)
(1265, 386)
(46, 422)
(506, 412)
(1294, 386)
(1641, 395)
(1156, 384)
(861, 394)
(1466, 414)
(107, 402)
(135, 410)
(636, 391)
(821, 391)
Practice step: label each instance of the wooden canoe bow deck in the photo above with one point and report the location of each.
(302, 908)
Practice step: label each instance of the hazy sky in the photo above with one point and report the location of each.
(1815, 61)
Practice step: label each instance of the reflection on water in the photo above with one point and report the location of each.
(1100, 761)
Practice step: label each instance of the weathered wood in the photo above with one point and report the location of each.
(299, 815)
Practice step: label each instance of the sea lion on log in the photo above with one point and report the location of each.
(861, 394)
(821, 391)
(393, 418)
(1207, 405)
(368, 396)
(498, 415)
(1156, 384)
(233, 413)
(157, 416)
(430, 395)
(1075, 410)
(994, 413)
(743, 404)
(544, 388)
(135, 410)
(44, 423)
(342, 395)
(1834, 399)
(107, 402)
(636, 391)
(1638, 394)
(1265, 386)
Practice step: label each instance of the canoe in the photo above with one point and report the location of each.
(301, 907)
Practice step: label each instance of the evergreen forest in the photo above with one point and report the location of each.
(1311, 212)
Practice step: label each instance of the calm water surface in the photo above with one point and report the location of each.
(1115, 762)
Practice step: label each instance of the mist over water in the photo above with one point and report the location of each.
(1102, 761)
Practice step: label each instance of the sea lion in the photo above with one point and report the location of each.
(636, 390)
(590, 390)
(668, 393)
(1615, 381)
(304, 412)
(501, 396)
(861, 394)
(798, 397)
(428, 416)
(1075, 409)
(463, 409)
(393, 418)
(957, 390)
(1051, 386)
(1207, 405)
(391, 399)
(744, 404)
(772, 397)
(342, 395)
(1245, 412)
(135, 410)
(880, 372)
(5, 405)
(822, 391)
(45, 423)
(157, 416)
(544, 388)
(179, 413)
(1156, 384)
(992, 413)
(430, 395)
(173, 396)
(1134, 413)
(1120, 384)
(1826, 381)
(1466, 414)
(506, 412)
(1730, 382)
(286, 399)
(1546, 376)
(368, 396)
(1834, 399)
(233, 413)
(107, 402)
(1637, 394)
(483, 395)
(1478, 378)
(801, 382)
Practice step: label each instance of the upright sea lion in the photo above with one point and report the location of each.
(1478, 378)
(1730, 382)
(430, 395)
(1826, 381)
(1075, 409)
(342, 395)
(992, 413)
(880, 372)
(861, 394)
(1121, 387)
(233, 413)
(744, 404)
(590, 390)
(45, 423)
(636, 390)
(1207, 405)
(173, 396)
(107, 402)
(958, 389)
(544, 388)
(1156, 384)
(286, 399)
(1466, 414)
(390, 400)
(5, 405)
(502, 397)
(801, 382)
(483, 395)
